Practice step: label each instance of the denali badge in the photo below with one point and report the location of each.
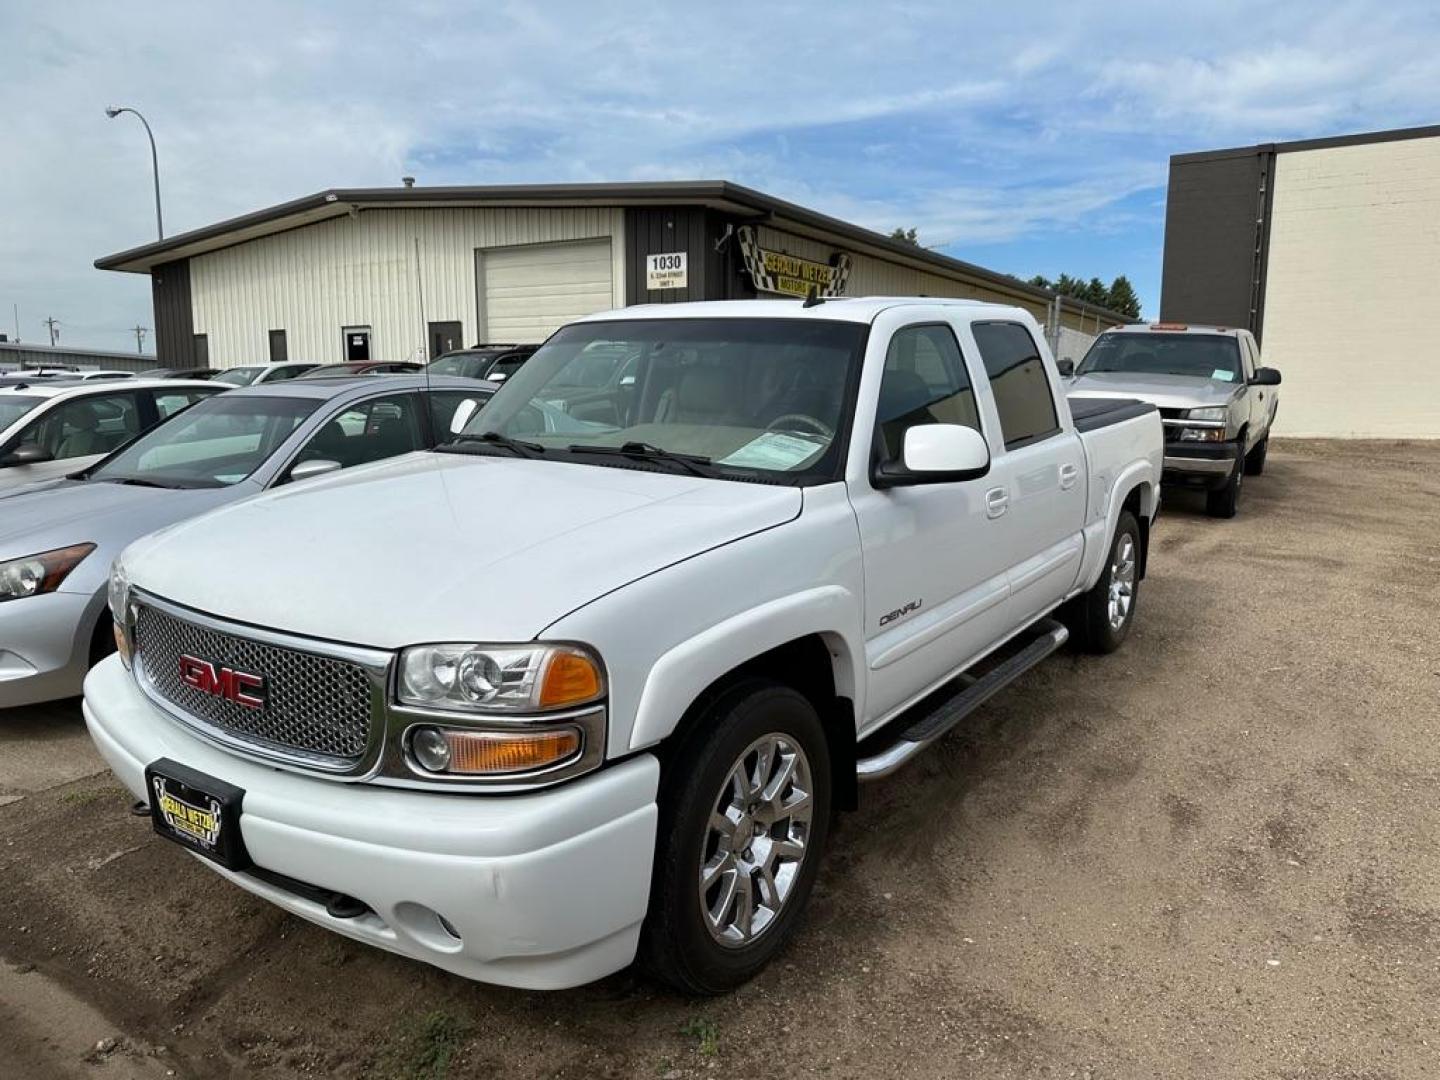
(210, 678)
(900, 613)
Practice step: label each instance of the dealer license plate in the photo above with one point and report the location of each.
(197, 812)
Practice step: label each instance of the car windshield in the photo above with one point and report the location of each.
(214, 443)
(238, 376)
(14, 406)
(1200, 356)
(466, 365)
(740, 398)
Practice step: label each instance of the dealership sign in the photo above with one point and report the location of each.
(790, 275)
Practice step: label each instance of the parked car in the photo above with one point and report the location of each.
(366, 367)
(104, 376)
(51, 428)
(537, 702)
(494, 362)
(180, 373)
(57, 541)
(256, 374)
(1218, 403)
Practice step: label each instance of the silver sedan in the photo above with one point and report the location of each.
(58, 539)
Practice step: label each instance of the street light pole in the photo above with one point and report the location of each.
(113, 111)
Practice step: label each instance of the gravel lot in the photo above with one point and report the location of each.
(1213, 854)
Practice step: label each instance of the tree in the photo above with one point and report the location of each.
(1123, 298)
(1120, 296)
(906, 236)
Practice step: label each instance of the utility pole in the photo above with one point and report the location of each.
(52, 323)
(140, 338)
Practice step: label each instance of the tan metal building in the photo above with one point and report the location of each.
(1327, 250)
(410, 272)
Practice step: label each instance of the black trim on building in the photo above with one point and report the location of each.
(1361, 139)
(174, 315)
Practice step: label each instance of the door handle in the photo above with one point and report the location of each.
(996, 500)
(1068, 475)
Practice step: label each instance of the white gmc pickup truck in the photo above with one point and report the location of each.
(586, 684)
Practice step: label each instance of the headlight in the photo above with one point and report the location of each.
(41, 573)
(119, 592)
(500, 678)
(1220, 413)
(1202, 434)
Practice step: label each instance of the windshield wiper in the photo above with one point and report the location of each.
(694, 464)
(518, 447)
(133, 481)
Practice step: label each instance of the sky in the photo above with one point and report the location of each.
(1028, 138)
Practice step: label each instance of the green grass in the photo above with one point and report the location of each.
(705, 1032)
(424, 1046)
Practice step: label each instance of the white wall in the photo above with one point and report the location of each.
(1351, 298)
(360, 271)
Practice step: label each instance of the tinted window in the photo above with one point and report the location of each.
(13, 407)
(445, 407)
(1199, 356)
(170, 402)
(1018, 381)
(925, 382)
(239, 376)
(370, 431)
(219, 442)
(465, 365)
(86, 426)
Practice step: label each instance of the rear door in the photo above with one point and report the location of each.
(1036, 491)
(936, 566)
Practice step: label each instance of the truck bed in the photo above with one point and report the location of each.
(1090, 413)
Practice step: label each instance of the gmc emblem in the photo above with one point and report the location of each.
(210, 678)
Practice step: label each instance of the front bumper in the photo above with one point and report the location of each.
(1197, 463)
(542, 891)
(44, 646)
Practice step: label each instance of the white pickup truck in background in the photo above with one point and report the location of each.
(552, 701)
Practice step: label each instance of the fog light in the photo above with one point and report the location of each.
(492, 753)
(430, 749)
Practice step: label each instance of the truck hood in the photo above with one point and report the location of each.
(445, 547)
(1162, 391)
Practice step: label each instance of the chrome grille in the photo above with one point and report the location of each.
(315, 705)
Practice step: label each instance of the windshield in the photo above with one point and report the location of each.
(13, 407)
(744, 396)
(238, 376)
(214, 443)
(1199, 356)
(466, 365)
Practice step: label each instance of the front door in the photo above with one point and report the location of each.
(357, 344)
(936, 567)
(444, 338)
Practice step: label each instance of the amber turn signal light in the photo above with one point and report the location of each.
(492, 753)
(571, 678)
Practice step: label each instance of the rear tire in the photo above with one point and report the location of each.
(1100, 619)
(1255, 460)
(1225, 502)
(744, 815)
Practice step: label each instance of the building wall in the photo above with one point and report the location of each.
(174, 314)
(360, 270)
(1211, 235)
(1354, 255)
(870, 276)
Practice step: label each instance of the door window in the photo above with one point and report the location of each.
(445, 407)
(1018, 381)
(170, 402)
(925, 382)
(85, 426)
(371, 431)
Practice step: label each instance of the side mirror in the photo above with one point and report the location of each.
(627, 380)
(27, 454)
(1265, 376)
(307, 470)
(1066, 367)
(463, 412)
(936, 454)
(499, 376)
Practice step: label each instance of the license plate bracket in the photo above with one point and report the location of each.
(197, 811)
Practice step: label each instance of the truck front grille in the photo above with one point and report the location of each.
(313, 705)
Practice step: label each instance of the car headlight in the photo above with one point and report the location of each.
(119, 594)
(42, 573)
(1220, 413)
(500, 678)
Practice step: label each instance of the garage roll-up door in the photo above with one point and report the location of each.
(526, 293)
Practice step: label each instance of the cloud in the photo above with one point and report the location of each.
(1005, 129)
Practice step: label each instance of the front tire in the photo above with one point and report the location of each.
(1225, 502)
(744, 815)
(1101, 618)
(1255, 460)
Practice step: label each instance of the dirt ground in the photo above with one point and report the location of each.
(1213, 854)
